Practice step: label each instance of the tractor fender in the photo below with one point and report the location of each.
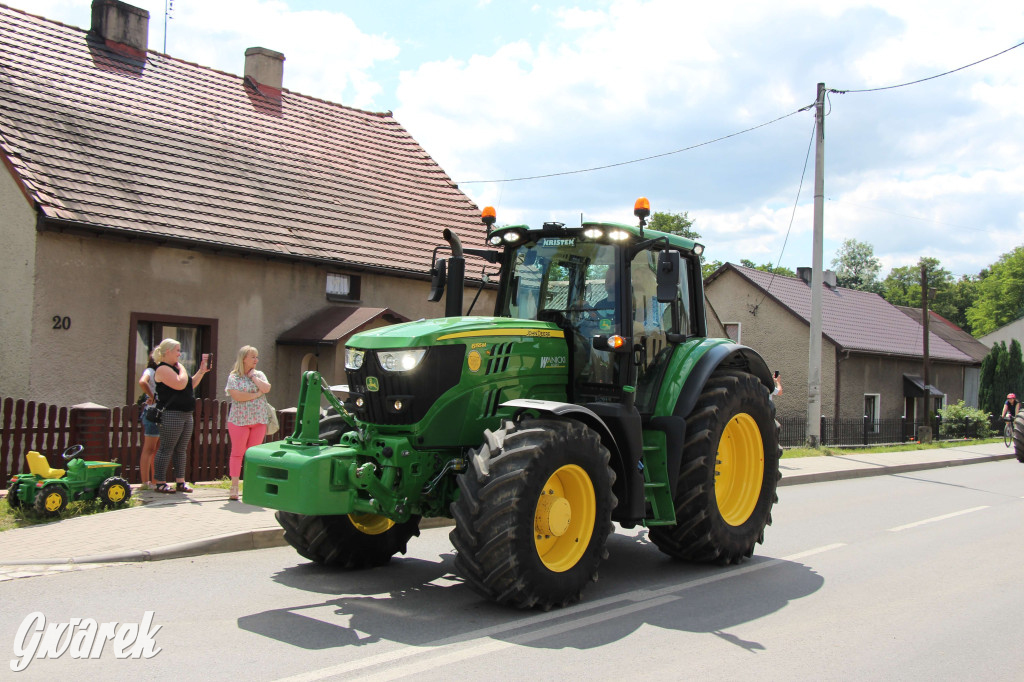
(731, 355)
(578, 412)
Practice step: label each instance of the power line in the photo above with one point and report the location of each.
(646, 158)
(922, 80)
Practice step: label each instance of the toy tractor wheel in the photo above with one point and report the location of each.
(13, 501)
(346, 541)
(51, 500)
(1018, 437)
(114, 492)
(728, 477)
(534, 513)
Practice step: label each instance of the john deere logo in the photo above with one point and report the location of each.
(372, 385)
(474, 361)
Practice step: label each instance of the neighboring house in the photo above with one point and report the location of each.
(958, 338)
(871, 355)
(1007, 334)
(142, 196)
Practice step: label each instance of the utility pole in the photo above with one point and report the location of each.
(814, 357)
(924, 325)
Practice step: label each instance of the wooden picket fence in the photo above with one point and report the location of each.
(112, 434)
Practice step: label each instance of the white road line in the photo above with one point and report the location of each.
(479, 643)
(937, 518)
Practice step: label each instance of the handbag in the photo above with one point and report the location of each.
(272, 423)
(154, 414)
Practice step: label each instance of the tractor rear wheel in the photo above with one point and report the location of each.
(347, 540)
(1018, 437)
(534, 513)
(114, 492)
(729, 474)
(51, 500)
(13, 501)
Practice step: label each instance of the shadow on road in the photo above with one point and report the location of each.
(419, 603)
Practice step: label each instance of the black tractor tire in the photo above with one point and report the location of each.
(729, 473)
(534, 513)
(1018, 437)
(51, 500)
(13, 501)
(114, 492)
(351, 541)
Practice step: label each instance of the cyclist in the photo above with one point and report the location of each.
(1011, 407)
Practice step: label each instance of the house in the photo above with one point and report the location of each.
(871, 355)
(144, 197)
(1007, 333)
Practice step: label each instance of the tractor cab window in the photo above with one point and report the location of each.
(569, 281)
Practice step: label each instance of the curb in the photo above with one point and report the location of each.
(845, 474)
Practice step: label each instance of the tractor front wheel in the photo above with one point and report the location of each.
(534, 513)
(114, 492)
(1018, 437)
(51, 500)
(728, 477)
(347, 541)
(13, 501)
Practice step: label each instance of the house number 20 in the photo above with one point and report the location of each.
(61, 322)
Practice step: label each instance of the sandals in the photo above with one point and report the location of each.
(182, 488)
(163, 488)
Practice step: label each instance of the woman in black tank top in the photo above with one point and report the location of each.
(175, 396)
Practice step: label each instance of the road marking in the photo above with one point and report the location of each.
(479, 643)
(937, 518)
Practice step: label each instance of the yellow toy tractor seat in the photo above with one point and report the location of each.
(38, 465)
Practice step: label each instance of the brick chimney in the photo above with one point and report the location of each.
(122, 27)
(265, 68)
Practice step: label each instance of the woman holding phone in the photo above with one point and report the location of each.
(175, 396)
(247, 417)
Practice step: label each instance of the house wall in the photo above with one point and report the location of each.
(779, 336)
(17, 280)
(861, 374)
(1006, 334)
(98, 282)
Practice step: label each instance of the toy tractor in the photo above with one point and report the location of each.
(48, 490)
(591, 396)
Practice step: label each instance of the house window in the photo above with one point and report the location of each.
(732, 330)
(342, 287)
(197, 335)
(871, 410)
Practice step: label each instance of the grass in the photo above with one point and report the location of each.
(22, 517)
(904, 447)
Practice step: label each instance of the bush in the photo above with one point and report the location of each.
(961, 421)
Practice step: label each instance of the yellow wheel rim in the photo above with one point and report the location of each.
(53, 502)
(564, 518)
(739, 469)
(116, 493)
(371, 524)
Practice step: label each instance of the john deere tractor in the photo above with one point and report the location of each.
(592, 395)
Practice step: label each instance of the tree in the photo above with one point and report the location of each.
(856, 266)
(708, 267)
(674, 223)
(902, 286)
(1000, 294)
(1002, 372)
(768, 267)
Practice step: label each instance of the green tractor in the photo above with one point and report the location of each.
(48, 490)
(592, 396)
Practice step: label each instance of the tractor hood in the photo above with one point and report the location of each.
(428, 332)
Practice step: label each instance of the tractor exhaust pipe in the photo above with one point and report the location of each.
(456, 276)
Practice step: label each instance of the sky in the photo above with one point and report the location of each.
(497, 90)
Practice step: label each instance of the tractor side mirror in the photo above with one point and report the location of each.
(668, 276)
(438, 278)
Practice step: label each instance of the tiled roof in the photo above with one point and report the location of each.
(948, 332)
(853, 320)
(171, 150)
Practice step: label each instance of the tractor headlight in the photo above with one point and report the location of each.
(400, 360)
(354, 358)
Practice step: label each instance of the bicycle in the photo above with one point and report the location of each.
(1007, 431)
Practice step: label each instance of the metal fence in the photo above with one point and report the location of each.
(854, 432)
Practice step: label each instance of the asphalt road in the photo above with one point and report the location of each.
(910, 577)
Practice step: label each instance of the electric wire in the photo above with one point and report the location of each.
(645, 158)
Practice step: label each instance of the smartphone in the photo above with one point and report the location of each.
(776, 374)
(207, 360)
